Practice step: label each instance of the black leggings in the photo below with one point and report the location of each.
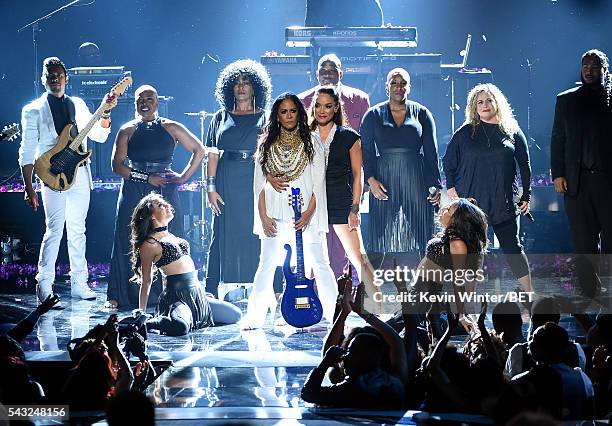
(507, 234)
(176, 323)
(182, 306)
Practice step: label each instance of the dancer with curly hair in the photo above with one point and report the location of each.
(480, 163)
(243, 92)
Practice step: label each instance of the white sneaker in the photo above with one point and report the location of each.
(82, 290)
(43, 290)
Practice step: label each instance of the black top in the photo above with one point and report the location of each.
(172, 251)
(235, 132)
(592, 103)
(339, 176)
(150, 142)
(438, 251)
(62, 110)
(417, 133)
(576, 124)
(483, 166)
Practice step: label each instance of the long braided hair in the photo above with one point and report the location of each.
(272, 129)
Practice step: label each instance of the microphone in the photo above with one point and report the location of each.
(528, 215)
(433, 191)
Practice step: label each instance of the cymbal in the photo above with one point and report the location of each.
(200, 114)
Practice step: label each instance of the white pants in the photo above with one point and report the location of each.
(65, 208)
(273, 254)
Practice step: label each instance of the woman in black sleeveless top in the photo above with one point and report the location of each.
(142, 156)
(343, 177)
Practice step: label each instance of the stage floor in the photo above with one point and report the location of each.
(222, 374)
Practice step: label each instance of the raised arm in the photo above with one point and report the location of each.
(459, 255)
(397, 354)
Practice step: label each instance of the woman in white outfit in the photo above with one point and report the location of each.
(287, 152)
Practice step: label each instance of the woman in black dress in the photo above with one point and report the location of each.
(403, 134)
(142, 156)
(480, 162)
(343, 177)
(243, 91)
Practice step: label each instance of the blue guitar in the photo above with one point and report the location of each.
(300, 305)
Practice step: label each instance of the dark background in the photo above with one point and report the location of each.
(180, 47)
(167, 43)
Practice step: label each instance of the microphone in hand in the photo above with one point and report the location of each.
(528, 215)
(433, 193)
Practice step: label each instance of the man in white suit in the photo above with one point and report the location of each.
(42, 121)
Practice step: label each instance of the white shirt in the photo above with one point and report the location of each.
(311, 182)
(316, 136)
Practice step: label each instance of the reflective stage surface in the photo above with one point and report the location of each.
(219, 374)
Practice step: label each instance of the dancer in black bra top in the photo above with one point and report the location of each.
(143, 157)
(459, 248)
(183, 305)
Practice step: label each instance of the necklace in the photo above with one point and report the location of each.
(486, 136)
(287, 158)
(160, 228)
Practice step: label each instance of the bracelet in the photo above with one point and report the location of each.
(106, 114)
(139, 176)
(211, 184)
(355, 208)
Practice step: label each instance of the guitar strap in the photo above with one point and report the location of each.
(70, 111)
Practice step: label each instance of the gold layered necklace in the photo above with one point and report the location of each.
(287, 158)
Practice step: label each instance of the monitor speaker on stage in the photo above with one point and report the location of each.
(122, 113)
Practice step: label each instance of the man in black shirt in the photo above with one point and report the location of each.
(581, 148)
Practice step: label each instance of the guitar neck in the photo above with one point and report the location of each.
(299, 251)
(78, 140)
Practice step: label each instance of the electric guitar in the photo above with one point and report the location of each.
(57, 167)
(300, 305)
(9, 132)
